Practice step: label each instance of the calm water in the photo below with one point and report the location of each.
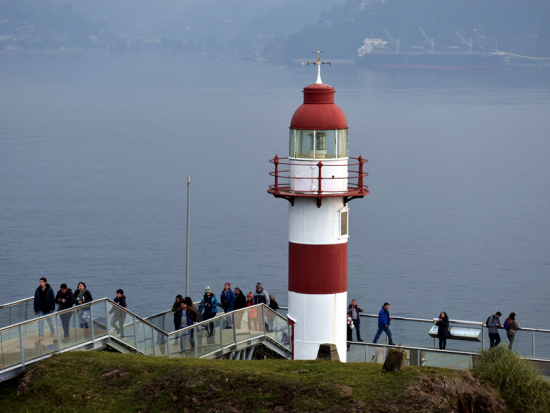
(95, 150)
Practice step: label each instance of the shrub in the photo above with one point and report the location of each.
(517, 380)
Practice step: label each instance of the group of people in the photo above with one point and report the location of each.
(186, 313)
(511, 326)
(45, 302)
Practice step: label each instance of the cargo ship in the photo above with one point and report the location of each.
(375, 53)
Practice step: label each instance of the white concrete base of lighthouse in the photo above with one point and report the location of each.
(320, 318)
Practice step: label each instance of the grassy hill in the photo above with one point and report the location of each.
(105, 382)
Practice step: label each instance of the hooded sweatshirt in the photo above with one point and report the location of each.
(44, 300)
(261, 297)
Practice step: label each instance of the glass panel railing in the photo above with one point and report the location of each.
(82, 322)
(16, 313)
(208, 337)
(542, 343)
(277, 327)
(446, 360)
(228, 331)
(144, 337)
(161, 343)
(99, 319)
(35, 343)
(10, 348)
(67, 323)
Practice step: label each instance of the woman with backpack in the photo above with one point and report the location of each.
(443, 331)
(511, 327)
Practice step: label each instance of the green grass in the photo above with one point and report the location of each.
(517, 380)
(106, 382)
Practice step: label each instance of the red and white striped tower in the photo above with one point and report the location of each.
(315, 180)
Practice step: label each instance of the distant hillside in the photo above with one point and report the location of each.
(39, 25)
(515, 26)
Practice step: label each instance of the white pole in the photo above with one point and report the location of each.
(187, 254)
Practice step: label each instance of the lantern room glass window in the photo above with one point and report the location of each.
(318, 144)
(342, 143)
(304, 144)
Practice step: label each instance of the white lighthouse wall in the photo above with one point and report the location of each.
(320, 319)
(332, 170)
(309, 224)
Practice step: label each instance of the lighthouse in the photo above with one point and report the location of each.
(318, 179)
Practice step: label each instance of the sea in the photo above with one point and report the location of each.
(95, 151)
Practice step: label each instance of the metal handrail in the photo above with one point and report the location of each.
(477, 323)
(221, 316)
(74, 309)
(466, 353)
(16, 302)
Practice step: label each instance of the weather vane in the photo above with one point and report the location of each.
(318, 63)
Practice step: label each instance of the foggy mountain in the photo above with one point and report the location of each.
(515, 26)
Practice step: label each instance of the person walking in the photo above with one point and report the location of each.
(44, 303)
(187, 316)
(260, 295)
(353, 312)
(175, 307)
(511, 327)
(274, 305)
(83, 296)
(253, 323)
(442, 330)
(384, 320)
(120, 315)
(65, 299)
(227, 298)
(240, 302)
(209, 305)
(493, 323)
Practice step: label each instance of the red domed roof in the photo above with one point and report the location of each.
(318, 111)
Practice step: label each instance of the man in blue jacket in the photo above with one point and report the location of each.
(384, 320)
(44, 303)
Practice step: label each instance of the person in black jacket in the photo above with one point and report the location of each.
(175, 307)
(120, 315)
(82, 296)
(44, 303)
(270, 316)
(65, 300)
(353, 312)
(240, 302)
(443, 324)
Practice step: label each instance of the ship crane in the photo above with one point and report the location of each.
(469, 44)
(430, 41)
(395, 42)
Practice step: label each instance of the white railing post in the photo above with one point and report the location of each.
(533, 344)
(153, 341)
(21, 346)
(234, 328)
(135, 333)
(92, 323)
(168, 345)
(107, 320)
(57, 333)
(196, 339)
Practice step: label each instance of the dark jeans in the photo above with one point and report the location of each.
(442, 343)
(188, 335)
(357, 328)
(65, 322)
(494, 339)
(379, 333)
(210, 328)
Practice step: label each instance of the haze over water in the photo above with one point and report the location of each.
(95, 151)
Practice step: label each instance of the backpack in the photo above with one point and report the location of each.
(506, 325)
(487, 322)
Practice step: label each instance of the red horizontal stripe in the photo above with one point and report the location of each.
(318, 269)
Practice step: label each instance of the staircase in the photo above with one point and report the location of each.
(252, 332)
